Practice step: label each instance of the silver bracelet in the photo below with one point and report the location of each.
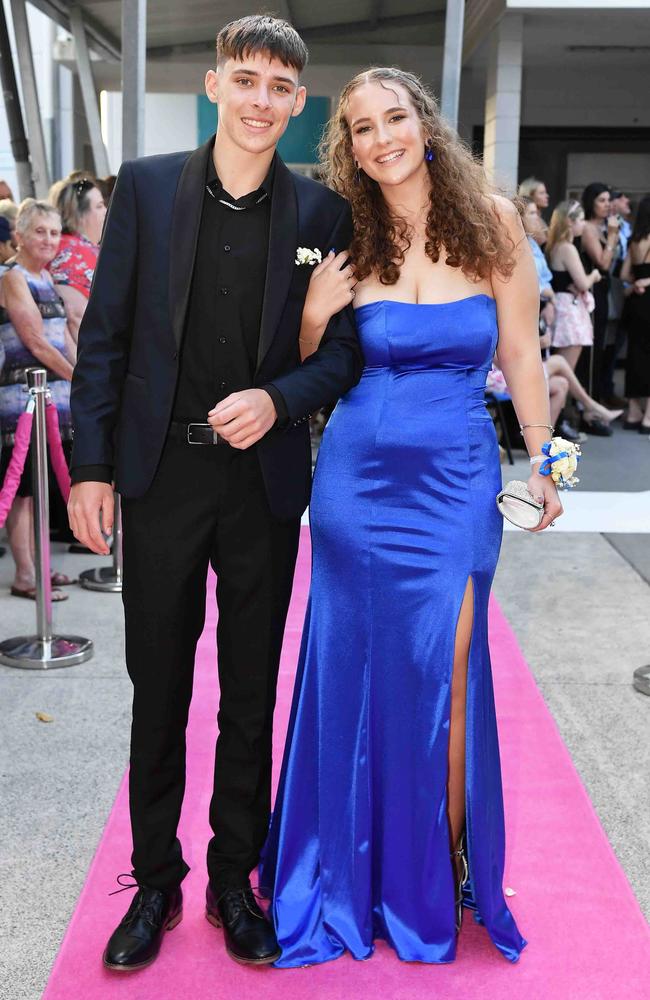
(549, 427)
(537, 458)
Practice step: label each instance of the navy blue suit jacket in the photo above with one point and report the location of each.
(130, 337)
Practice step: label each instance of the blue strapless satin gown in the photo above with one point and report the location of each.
(403, 514)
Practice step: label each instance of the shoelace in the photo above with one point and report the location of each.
(132, 885)
(244, 899)
(139, 908)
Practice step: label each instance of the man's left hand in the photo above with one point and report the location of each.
(243, 417)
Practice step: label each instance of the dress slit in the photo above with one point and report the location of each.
(467, 593)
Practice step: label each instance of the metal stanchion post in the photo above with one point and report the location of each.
(43, 650)
(641, 679)
(108, 578)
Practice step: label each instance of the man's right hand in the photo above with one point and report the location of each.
(87, 502)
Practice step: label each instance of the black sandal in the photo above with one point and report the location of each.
(461, 853)
(29, 593)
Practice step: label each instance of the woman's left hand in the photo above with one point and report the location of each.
(331, 288)
(548, 314)
(544, 489)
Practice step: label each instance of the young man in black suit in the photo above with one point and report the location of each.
(189, 393)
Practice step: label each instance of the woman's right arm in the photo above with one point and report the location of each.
(579, 277)
(626, 267)
(601, 256)
(75, 306)
(27, 322)
(330, 290)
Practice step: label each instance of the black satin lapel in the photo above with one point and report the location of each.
(186, 219)
(283, 242)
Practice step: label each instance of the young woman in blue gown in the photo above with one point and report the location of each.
(389, 814)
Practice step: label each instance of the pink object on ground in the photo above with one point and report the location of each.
(9, 487)
(587, 936)
(57, 458)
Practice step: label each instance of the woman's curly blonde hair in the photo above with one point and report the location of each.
(462, 217)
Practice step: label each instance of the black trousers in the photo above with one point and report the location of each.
(207, 505)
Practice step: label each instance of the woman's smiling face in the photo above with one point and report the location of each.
(387, 134)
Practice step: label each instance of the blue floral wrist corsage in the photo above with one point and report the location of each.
(560, 462)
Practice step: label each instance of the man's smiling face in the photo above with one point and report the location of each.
(256, 97)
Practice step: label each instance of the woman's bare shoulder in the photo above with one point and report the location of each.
(14, 284)
(504, 206)
(568, 251)
(508, 216)
(591, 231)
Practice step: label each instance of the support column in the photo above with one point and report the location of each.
(38, 155)
(452, 61)
(88, 92)
(13, 110)
(134, 55)
(503, 102)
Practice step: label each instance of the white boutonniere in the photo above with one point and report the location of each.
(306, 256)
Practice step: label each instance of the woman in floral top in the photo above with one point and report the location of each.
(82, 210)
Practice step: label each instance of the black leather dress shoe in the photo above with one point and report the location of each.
(136, 941)
(250, 938)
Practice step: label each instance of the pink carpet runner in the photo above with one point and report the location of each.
(587, 936)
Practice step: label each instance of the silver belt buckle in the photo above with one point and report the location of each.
(215, 436)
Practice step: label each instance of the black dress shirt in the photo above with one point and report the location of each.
(221, 337)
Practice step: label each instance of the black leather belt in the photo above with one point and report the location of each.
(194, 433)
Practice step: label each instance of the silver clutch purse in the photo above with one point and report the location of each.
(519, 506)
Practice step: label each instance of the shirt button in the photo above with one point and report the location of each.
(222, 340)
(224, 291)
(222, 385)
(227, 248)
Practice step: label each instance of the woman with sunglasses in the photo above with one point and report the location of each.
(81, 206)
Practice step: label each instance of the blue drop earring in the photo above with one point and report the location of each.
(357, 173)
(429, 154)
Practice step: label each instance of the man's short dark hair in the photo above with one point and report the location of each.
(262, 33)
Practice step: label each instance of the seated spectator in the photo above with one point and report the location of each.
(33, 332)
(562, 380)
(5, 191)
(81, 206)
